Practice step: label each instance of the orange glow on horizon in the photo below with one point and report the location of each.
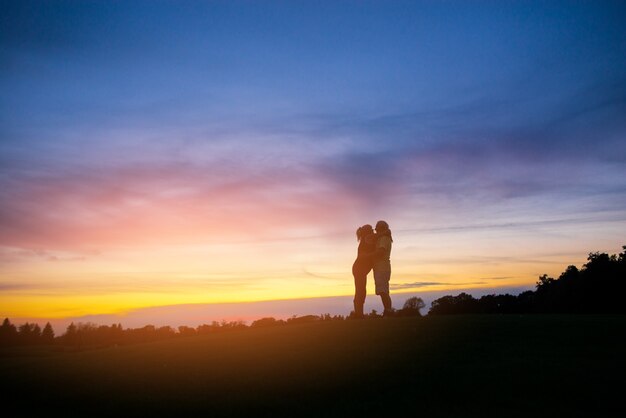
(119, 282)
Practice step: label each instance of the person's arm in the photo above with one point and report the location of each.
(379, 251)
(376, 253)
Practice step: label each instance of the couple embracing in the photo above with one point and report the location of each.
(373, 254)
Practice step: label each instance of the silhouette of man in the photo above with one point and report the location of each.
(382, 265)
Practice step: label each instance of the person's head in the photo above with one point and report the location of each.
(382, 228)
(363, 231)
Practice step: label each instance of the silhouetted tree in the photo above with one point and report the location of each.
(232, 325)
(8, 333)
(414, 303)
(446, 305)
(266, 322)
(89, 334)
(117, 334)
(604, 281)
(208, 329)
(412, 307)
(165, 332)
(598, 287)
(36, 334)
(47, 335)
(71, 335)
(29, 334)
(185, 331)
(498, 304)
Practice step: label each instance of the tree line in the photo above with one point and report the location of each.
(89, 334)
(25, 334)
(92, 335)
(598, 287)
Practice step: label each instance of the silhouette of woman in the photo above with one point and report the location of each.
(362, 266)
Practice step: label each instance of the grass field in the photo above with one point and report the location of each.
(458, 366)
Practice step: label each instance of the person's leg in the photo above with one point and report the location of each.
(360, 283)
(381, 279)
(386, 302)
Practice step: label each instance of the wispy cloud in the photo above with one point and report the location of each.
(417, 285)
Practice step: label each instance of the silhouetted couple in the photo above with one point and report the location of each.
(373, 254)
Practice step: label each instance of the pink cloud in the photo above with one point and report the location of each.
(167, 203)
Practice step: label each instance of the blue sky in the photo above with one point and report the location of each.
(535, 80)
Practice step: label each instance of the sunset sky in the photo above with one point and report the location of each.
(166, 153)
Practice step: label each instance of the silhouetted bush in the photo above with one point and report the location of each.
(412, 307)
(373, 314)
(329, 317)
(303, 319)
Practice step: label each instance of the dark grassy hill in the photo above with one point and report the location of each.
(500, 366)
